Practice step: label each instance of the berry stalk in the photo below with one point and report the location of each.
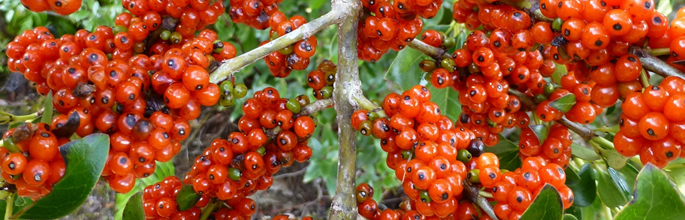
(236, 64)
(434, 52)
(654, 64)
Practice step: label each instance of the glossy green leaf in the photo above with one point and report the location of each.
(572, 176)
(508, 154)
(448, 101)
(619, 181)
(559, 72)
(540, 131)
(47, 109)
(610, 193)
(546, 206)
(162, 170)
(404, 70)
(187, 197)
(584, 152)
(134, 208)
(629, 172)
(564, 103)
(85, 159)
(654, 197)
(569, 217)
(584, 192)
(613, 158)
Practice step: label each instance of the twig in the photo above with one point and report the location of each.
(366, 104)
(434, 52)
(291, 174)
(9, 206)
(234, 65)
(208, 210)
(472, 194)
(581, 130)
(654, 64)
(316, 106)
(347, 85)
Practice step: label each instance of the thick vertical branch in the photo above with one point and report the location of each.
(347, 85)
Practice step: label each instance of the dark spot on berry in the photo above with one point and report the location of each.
(599, 43)
(617, 27)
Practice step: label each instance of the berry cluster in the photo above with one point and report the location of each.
(422, 148)
(159, 201)
(322, 79)
(368, 208)
(258, 14)
(556, 148)
(293, 57)
(143, 96)
(62, 7)
(31, 160)
(193, 15)
(272, 134)
(514, 191)
(652, 123)
(391, 25)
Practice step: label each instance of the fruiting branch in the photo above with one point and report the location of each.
(316, 106)
(654, 64)
(581, 130)
(368, 105)
(434, 52)
(231, 66)
(347, 85)
(472, 194)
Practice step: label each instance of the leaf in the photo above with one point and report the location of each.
(448, 101)
(507, 152)
(610, 194)
(404, 70)
(654, 197)
(559, 72)
(540, 131)
(85, 159)
(569, 217)
(47, 109)
(546, 206)
(629, 172)
(134, 208)
(564, 103)
(69, 128)
(572, 176)
(186, 198)
(584, 152)
(316, 4)
(613, 158)
(584, 192)
(619, 181)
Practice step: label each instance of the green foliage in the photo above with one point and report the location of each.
(163, 170)
(565, 103)
(134, 208)
(546, 206)
(654, 197)
(186, 198)
(508, 154)
(584, 190)
(47, 109)
(612, 189)
(85, 159)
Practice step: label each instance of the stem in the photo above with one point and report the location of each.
(347, 85)
(654, 64)
(6, 117)
(9, 206)
(366, 104)
(581, 130)
(472, 194)
(659, 51)
(316, 106)
(612, 129)
(603, 142)
(234, 65)
(434, 52)
(644, 78)
(485, 194)
(208, 210)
